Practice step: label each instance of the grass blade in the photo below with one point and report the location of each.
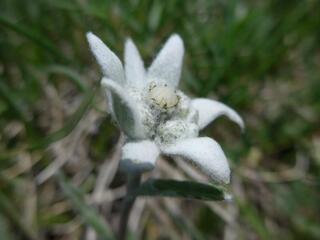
(68, 127)
(38, 39)
(89, 215)
(70, 73)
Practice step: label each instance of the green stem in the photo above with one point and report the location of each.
(132, 184)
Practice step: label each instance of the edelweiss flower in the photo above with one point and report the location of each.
(156, 117)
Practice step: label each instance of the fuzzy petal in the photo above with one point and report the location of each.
(110, 64)
(139, 156)
(205, 153)
(166, 68)
(135, 72)
(209, 110)
(125, 110)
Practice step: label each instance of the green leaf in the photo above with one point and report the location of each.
(184, 189)
(71, 74)
(88, 214)
(250, 214)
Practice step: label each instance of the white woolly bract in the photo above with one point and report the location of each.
(139, 156)
(110, 64)
(205, 153)
(166, 68)
(134, 69)
(125, 110)
(209, 110)
(155, 115)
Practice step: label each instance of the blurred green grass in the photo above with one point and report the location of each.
(260, 57)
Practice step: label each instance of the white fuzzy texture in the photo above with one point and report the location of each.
(166, 68)
(135, 72)
(125, 110)
(209, 110)
(173, 130)
(205, 153)
(139, 156)
(110, 64)
(160, 117)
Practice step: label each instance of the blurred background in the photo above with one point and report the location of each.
(59, 149)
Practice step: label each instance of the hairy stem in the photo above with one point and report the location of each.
(132, 184)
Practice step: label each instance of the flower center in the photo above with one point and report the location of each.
(163, 96)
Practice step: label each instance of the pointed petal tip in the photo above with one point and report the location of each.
(242, 126)
(175, 34)
(176, 37)
(228, 197)
(97, 46)
(222, 177)
(234, 116)
(130, 49)
(105, 82)
(128, 41)
(93, 41)
(176, 41)
(89, 34)
(92, 38)
(240, 122)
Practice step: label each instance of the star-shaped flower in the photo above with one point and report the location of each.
(156, 117)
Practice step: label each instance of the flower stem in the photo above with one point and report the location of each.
(132, 184)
